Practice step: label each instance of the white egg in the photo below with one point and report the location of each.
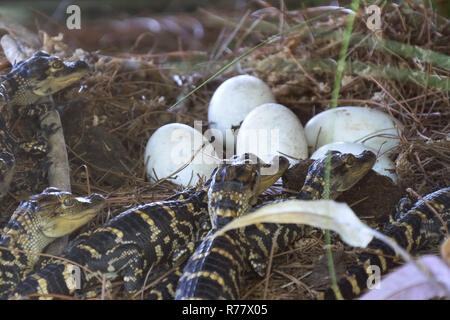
(229, 105)
(383, 165)
(172, 146)
(272, 129)
(368, 126)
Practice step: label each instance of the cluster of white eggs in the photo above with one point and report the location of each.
(244, 117)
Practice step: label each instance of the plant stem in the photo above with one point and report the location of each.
(334, 102)
(343, 53)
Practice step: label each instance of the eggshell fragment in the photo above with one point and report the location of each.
(231, 103)
(370, 127)
(172, 146)
(272, 129)
(383, 165)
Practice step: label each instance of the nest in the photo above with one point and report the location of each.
(117, 107)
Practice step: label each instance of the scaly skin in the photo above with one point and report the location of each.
(36, 78)
(151, 235)
(412, 229)
(216, 268)
(25, 90)
(35, 224)
(30, 82)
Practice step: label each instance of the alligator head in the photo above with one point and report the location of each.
(236, 186)
(39, 76)
(336, 173)
(49, 215)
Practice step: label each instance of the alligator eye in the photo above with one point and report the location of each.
(68, 202)
(56, 64)
(350, 159)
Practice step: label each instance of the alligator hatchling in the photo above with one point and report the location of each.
(25, 91)
(413, 228)
(35, 224)
(215, 270)
(148, 237)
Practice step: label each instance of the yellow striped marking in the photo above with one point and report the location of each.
(311, 190)
(166, 239)
(229, 239)
(94, 253)
(145, 217)
(157, 293)
(199, 256)
(118, 233)
(169, 211)
(227, 213)
(318, 180)
(408, 233)
(159, 252)
(260, 227)
(42, 283)
(436, 205)
(190, 207)
(171, 289)
(224, 253)
(355, 288)
(422, 215)
(206, 274)
(380, 255)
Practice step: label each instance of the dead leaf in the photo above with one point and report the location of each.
(408, 283)
(325, 214)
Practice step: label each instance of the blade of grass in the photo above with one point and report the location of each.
(326, 196)
(343, 53)
(334, 102)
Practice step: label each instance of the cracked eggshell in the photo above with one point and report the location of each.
(383, 165)
(270, 128)
(370, 127)
(172, 146)
(231, 103)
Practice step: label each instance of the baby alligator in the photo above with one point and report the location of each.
(140, 239)
(412, 229)
(234, 189)
(36, 223)
(136, 240)
(24, 91)
(216, 268)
